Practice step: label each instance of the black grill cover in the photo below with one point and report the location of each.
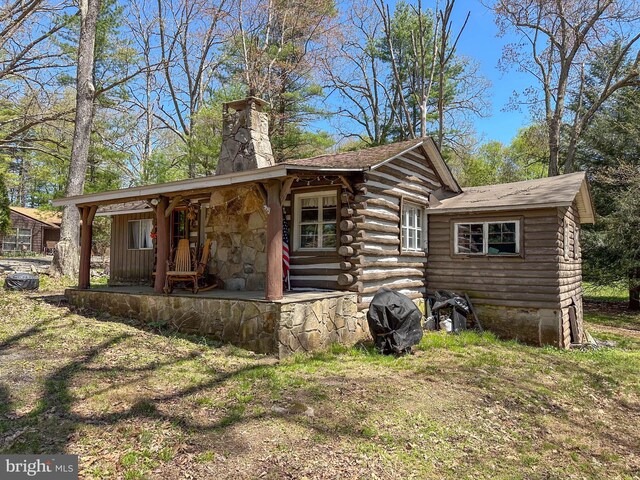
(22, 281)
(394, 322)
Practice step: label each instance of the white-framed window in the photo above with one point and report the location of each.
(18, 239)
(487, 238)
(316, 217)
(412, 227)
(139, 234)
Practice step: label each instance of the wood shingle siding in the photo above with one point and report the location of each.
(128, 266)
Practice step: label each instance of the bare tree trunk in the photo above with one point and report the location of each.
(554, 146)
(634, 290)
(66, 257)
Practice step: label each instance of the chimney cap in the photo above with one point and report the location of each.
(238, 105)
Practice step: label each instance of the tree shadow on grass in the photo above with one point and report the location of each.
(60, 413)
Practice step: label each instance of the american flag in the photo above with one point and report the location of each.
(285, 253)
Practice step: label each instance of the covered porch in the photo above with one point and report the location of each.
(257, 200)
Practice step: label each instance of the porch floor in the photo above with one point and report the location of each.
(253, 296)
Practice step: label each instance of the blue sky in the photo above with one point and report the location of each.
(480, 41)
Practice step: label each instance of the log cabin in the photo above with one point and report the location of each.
(350, 223)
(32, 231)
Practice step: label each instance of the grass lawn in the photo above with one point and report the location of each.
(136, 403)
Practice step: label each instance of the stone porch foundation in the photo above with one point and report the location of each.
(301, 322)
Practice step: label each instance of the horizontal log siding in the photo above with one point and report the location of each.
(570, 269)
(128, 266)
(380, 262)
(531, 280)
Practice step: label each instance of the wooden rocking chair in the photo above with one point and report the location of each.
(184, 268)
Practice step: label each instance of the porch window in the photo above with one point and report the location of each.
(316, 216)
(140, 234)
(18, 239)
(487, 238)
(412, 227)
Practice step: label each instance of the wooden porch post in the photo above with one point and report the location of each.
(162, 245)
(273, 289)
(86, 229)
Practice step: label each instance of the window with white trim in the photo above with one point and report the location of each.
(316, 217)
(139, 234)
(412, 227)
(487, 238)
(18, 239)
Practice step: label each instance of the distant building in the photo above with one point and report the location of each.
(32, 230)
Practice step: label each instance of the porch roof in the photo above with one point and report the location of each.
(356, 161)
(191, 185)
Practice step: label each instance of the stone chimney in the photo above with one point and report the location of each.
(245, 137)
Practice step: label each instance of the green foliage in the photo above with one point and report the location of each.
(5, 214)
(611, 153)
(494, 162)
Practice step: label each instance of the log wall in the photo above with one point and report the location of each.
(570, 272)
(378, 259)
(529, 280)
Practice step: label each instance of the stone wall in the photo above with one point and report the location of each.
(281, 328)
(237, 225)
(245, 138)
(315, 325)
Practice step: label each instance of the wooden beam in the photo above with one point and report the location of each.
(286, 188)
(174, 202)
(274, 287)
(263, 193)
(346, 183)
(86, 234)
(162, 245)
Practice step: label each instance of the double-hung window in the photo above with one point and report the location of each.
(487, 238)
(412, 227)
(316, 216)
(139, 234)
(18, 239)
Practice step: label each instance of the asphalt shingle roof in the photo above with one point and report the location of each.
(364, 158)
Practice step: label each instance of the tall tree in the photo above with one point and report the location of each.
(276, 51)
(191, 34)
(560, 39)
(29, 62)
(357, 74)
(610, 152)
(399, 75)
(66, 255)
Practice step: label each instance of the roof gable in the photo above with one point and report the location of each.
(49, 218)
(360, 160)
(374, 157)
